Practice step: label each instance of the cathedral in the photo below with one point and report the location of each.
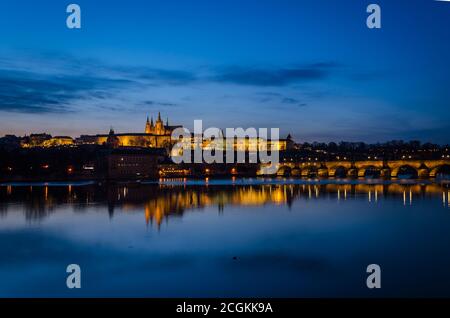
(158, 128)
(156, 135)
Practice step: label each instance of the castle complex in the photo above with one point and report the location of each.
(156, 135)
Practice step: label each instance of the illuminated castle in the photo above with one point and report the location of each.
(156, 135)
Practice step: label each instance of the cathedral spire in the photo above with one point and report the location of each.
(148, 127)
(159, 116)
(167, 122)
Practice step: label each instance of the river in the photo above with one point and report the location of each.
(226, 238)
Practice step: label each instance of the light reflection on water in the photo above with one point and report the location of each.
(252, 237)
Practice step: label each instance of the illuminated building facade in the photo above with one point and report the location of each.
(156, 135)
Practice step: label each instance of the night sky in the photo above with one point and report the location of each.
(311, 68)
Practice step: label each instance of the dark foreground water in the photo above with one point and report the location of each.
(283, 238)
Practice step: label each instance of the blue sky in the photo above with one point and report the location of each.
(311, 68)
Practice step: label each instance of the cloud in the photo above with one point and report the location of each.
(278, 98)
(20, 92)
(54, 83)
(273, 76)
(156, 103)
(292, 101)
(29, 92)
(171, 77)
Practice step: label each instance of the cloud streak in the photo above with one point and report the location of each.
(271, 97)
(274, 76)
(29, 92)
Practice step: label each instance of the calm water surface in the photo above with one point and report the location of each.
(242, 237)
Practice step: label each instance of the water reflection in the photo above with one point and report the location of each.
(252, 238)
(159, 202)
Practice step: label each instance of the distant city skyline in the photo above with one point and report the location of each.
(310, 68)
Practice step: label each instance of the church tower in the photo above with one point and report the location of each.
(112, 140)
(148, 128)
(159, 126)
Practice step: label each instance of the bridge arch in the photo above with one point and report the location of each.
(368, 168)
(405, 170)
(441, 170)
(339, 171)
(284, 171)
(296, 172)
(310, 172)
(369, 171)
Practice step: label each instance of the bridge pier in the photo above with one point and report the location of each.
(385, 173)
(352, 173)
(361, 173)
(323, 172)
(296, 172)
(423, 173)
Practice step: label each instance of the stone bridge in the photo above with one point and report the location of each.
(387, 169)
